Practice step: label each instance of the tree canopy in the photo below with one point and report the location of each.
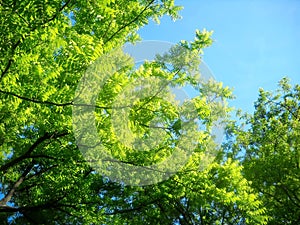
(269, 151)
(49, 175)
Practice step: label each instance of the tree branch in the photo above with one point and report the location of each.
(40, 140)
(3, 73)
(35, 100)
(10, 194)
(137, 208)
(129, 23)
(59, 104)
(59, 11)
(11, 60)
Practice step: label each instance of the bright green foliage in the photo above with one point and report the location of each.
(46, 47)
(217, 195)
(269, 150)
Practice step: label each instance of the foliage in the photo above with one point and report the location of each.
(269, 151)
(46, 47)
(217, 195)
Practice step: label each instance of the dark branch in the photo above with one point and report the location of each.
(60, 104)
(129, 23)
(10, 194)
(40, 140)
(35, 100)
(11, 60)
(3, 73)
(59, 11)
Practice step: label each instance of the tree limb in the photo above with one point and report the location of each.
(40, 140)
(129, 23)
(10, 194)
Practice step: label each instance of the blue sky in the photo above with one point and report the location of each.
(256, 42)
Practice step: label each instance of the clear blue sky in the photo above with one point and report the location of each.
(256, 42)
